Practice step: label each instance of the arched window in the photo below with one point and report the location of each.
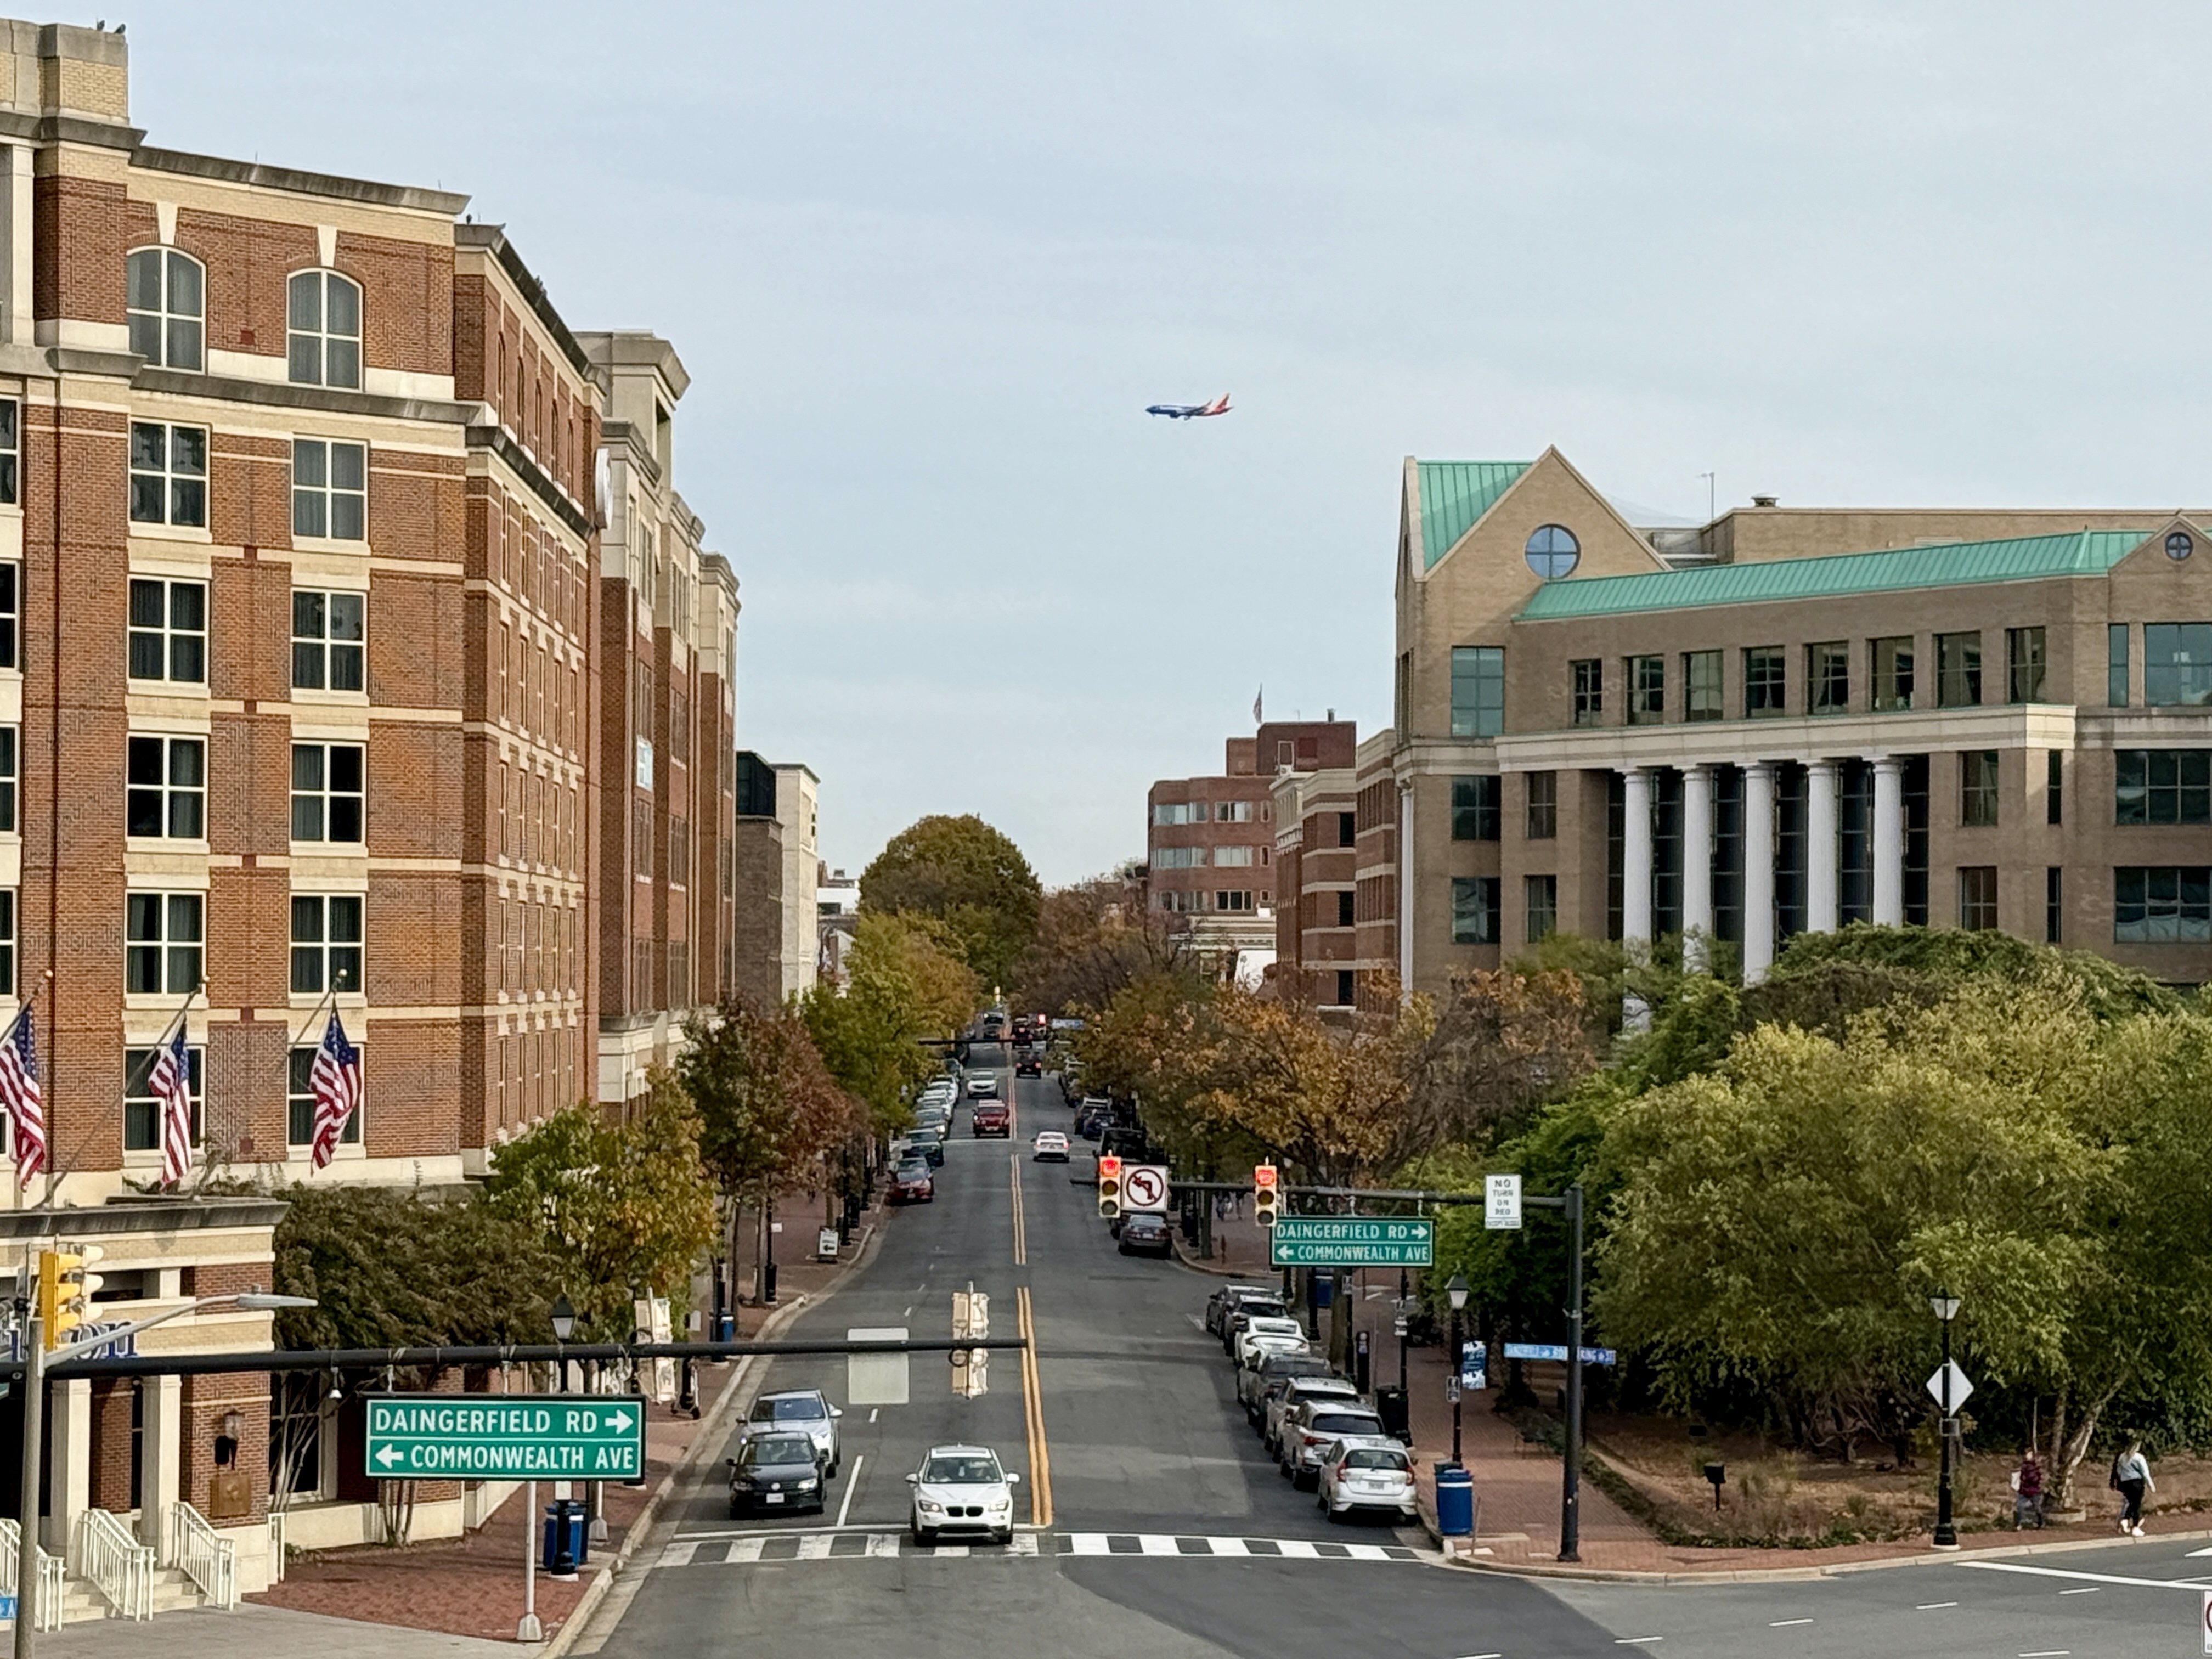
(324, 330)
(166, 298)
(1552, 551)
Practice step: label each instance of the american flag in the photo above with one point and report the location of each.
(336, 1085)
(170, 1082)
(19, 1097)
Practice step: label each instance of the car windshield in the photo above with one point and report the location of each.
(1275, 1326)
(912, 1172)
(787, 1410)
(964, 1470)
(924, 1137)
(772, 1449)
(1364, 1457)
(1345, 1423)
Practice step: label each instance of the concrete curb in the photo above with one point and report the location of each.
(1198, 1266)
(711, 1434)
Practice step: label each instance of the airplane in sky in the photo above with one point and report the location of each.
(1190, 411)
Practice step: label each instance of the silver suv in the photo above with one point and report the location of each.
(798, 1411)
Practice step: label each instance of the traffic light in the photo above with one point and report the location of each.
(1109, 1186)
(65, 1289)
(1266, 1197)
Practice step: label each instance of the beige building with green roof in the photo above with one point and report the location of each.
(1788, 719)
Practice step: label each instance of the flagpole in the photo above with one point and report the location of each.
(329, 997)
(45, 1100)
(170, 1033)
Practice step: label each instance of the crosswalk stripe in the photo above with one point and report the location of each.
(1153, 1543)
(678, 1555)
(1022, 1543)
(883, 1543)
(1298, 1547)
(815, 1548)
(832, 1544)
(743, 1549)
(1087, 1543)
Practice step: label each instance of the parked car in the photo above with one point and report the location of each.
(1090, 1123)
(778, 1472)
(928, 1144)
(1256, 1383)
(798, 1411)
(1049, 1147)
(1360, 1472)
(1308, 1430)
(931, 1117)
(1258, 1307)
(1229, 1296)
(1257, 1326)
(911, 1183)
(962, 1489)
(983, 1085)
(1143, 1233)
(993, 1118)
(1295, 1393)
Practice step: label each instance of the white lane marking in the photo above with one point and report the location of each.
(1635, 1641)
(908, 1313)
(872, 1410)
(883, 1543)
(1931, 1606)
(2195, 1586)
(1155, 1543)
(2049, 1653)
(1783, 1623)
(1482, 1655)
(948, 1549)
(851, 1485)
(743, 1549)
(1298, 1549)
(814, 1548)
(1022, 1543)
(2086, 1590)
(1088, 1543)
(2198, 1552)
(1231, 1546)
(677, 1555)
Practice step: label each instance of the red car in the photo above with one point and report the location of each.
(911, 1184)
(992, 1118)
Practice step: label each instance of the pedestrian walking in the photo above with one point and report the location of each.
(2028, 1490)
(2132, 1480)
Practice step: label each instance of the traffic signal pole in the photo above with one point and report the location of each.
(27, 1527)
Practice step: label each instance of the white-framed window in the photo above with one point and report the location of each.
(11, 450)
(142, 1112)
(329, 635)
(300, 1101)
(8, 745)
(330, 489)
(1232, 855)
(11, 612)
(166, 791)
(327, 791)
(163, 934)
(323, 329)
(7, 941)
(325, 943)
(168, 630)
(167, 303)
(168, 474)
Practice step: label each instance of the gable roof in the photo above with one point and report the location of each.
(1952, 564)
(1454, 495)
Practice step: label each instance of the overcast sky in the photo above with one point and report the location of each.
(927, 263)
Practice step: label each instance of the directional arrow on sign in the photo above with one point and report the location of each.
(387, 1455)
(620, 1419)
(1959, 1386)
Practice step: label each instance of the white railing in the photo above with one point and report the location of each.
(50, 1588)
(118, 1566)
(206, 1557)
(276, 1546)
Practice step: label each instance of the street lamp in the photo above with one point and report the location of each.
(36, 1359)
(564, 1319)
(1456, 1292)
(1946, 1309)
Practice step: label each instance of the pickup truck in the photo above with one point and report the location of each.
(992, 1118)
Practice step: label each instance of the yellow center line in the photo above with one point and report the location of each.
(1033, 1413)
(1021, 1230)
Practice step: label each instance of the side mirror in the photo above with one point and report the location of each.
(835, 1411)
(730, 1463)
(1013, 1479)
(913, 1480)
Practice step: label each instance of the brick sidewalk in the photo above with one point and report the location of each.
(472, 1586)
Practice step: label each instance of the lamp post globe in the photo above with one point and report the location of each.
(564, 1319)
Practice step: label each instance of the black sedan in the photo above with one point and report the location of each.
(775, 1474)
(1143, 1233)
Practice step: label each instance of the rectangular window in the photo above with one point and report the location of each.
(1179, 858)
(2163, 905)
(1828, 676)
(1543, 806)
(2116, 665)
(2177, 664)
(168, 630)
(1232, 857)
(1958, 671)
(164, 792)
(328, 796)
(1893, 672)
(168, 474)
(142, 1112)
(2024, 665)
(1647, 690)
(1478, 691)
(325, 943)
(328, 640)
(1232, 811)
(11, 450)
(1223, 900)
(162, 934)
(1474, 808)
(2054, 910)
(1167, 812)
(1541, 897)
(7, 783)
(1701, 697)
(1344, 987)
(1977, 896)
(330, 489)
(299, 1102)
(1977, 787)
(1589, 692)
(1401, 695)
(11, 614)
(1474, 910)
(1347, 829)
(1347, 909)
(2054, 782)
(1765, 689)
(2162, 786)
(7, 941)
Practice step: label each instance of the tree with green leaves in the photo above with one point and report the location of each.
(899, 989)
(968, 877)
(1093, 940)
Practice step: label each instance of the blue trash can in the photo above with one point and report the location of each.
(564, 1538)
(1455, 1501)
(725, 1328)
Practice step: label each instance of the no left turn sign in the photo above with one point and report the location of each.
(1145, 1187)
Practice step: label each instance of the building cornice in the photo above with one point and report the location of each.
(498, 440)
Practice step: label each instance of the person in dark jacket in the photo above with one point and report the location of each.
(2028, 1492)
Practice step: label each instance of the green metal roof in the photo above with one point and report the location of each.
(1953, 564)
(1454, 495)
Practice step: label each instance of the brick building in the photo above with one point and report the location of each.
(1211, 841)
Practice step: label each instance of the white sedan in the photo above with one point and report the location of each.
(962, 1489)
(1362, 1471)
(1281, 1332)
(1049, 1146)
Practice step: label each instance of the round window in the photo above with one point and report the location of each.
(2179, 546)
(1553, 551)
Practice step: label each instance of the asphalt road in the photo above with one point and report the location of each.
(1159, 1527)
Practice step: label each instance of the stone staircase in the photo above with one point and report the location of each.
(173, 1591)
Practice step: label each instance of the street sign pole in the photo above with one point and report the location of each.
(26, 1540)
(1571, 1520)
(527, 1629)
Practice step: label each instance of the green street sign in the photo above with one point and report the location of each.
(1338, 1241)
(525, 1437)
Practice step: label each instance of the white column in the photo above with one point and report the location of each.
(1636, 857)
(1888, 842)
(1406, 890)
(1822, 911)
(1697, 867)
(162, 1450)
(1758, 871)
(69, 1463)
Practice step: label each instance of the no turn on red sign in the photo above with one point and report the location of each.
(1145, 1187)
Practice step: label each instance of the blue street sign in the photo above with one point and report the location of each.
(1558, 1352)
(1473, 1363)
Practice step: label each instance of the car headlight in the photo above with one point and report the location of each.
(806, 1485)
(928, 1508)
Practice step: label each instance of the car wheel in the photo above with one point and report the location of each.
(737, 1510)
(1283, 1469)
